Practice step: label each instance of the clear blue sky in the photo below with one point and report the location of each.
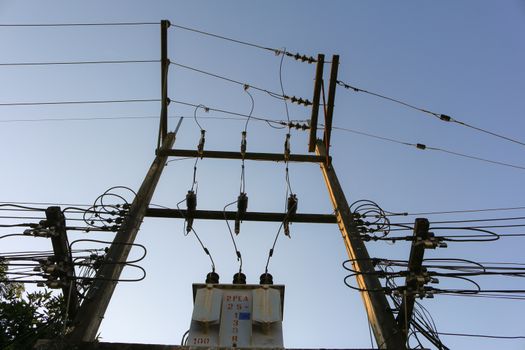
(464, 59)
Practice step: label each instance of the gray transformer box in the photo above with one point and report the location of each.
(237, 316)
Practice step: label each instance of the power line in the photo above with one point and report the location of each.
(229, 112)
(454, 211)
(77, 102)
(442, 117)
(77, 24)
(223, 37)
(476, 158)
(425, 147)
(484, 335)
(273, 94)
(138, 117)
(296, 56)
(17, 64)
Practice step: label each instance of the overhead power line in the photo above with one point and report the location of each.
(18, 64)
(421, 146)
(484, 335)
(77, 24)
(222, 37)
(76, 102)
(454, 211)
(296, 56)
(94, 118)
(273, 94)
(206, 108)
(442, 117)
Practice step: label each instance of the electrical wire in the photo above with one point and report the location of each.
(10, 104)
(470, 220)
(223, 37)
(425, 147)
(439, 116)
(237, 252)
(454, 211)
(77, 24)
(272, 94)
(483, 335)
(270, 254)
(267, 120)
(66, 63)
(206, 251)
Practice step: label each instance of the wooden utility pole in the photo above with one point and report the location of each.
(56, 220)
(164, 65)
(94, 306)
(385, 327)
(413, 284)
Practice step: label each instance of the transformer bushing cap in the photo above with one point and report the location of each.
(266, 278)
(212, 278)
(239, 278)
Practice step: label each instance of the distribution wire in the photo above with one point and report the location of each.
(464, 211)
(267, 120)
(243, 141)
(68, 63)
(185, 232)
(7, 104)
(425, 147)
(237, 252)
(483, 335)
(85, 24)
(273, 94)
(277, 52)
(439, 116)
(222, 37)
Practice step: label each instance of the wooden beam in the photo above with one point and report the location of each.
(386, 330)
(315, 102)
(93, 308)
(417, 251)
(55, 218)
(275, 157)
(330, 108)
(249, 216)
(164, 65)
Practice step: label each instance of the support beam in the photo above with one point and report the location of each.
(92, 310)
(249, 216)
(275, 157)
(56, 219)
(330, 108)
(318, 83)
(412, 284)
(164, 65)
(386, 330)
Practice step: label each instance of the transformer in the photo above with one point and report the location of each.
(237, 316)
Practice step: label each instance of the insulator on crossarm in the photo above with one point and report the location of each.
(302, 58)
(200, 147)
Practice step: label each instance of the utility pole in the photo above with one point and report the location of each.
(386, 330)
(92, 310)
(413, 281)
(57, 223)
